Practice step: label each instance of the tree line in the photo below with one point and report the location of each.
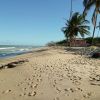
(78, 24)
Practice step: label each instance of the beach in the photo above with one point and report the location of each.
(50, 73)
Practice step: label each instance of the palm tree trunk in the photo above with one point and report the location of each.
(71, 10)
(92, 42)
(70, 42)
(67, 40)
(75, 41)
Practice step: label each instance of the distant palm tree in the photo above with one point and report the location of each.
(74, 26)
(88, 4)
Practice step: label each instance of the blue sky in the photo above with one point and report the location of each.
(34, 22)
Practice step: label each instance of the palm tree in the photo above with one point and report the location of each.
(88, 4)
(74, 26)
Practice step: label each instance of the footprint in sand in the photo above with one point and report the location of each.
(34, 86)
(25, 88)
(59, 90)
(87, 95)
(18, 84)
(38, 80)
(29, 83)
(22, 94)
(70, 90)
(7, 91)
(32, 93)
(79, 89)
(53, 85)
(56, 98)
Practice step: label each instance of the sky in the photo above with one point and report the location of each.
(35, 22)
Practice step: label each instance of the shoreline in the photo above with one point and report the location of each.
(13, 54)
(52, 73)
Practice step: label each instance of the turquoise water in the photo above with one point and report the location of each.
(12, 50)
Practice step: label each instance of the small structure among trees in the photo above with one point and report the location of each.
(75, 26)
(78, 42)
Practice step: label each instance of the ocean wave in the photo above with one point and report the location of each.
(7, 51)
(6, 48)
(21, 49)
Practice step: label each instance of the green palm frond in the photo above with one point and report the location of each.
(76, 25)
(84, 26)
(85, 2)
(88, 4)
(83, 32)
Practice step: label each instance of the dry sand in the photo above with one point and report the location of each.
(52, 74)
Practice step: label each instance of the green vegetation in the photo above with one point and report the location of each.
(88, 4)
(77, 24)
(64, 42)
(58, 43)
(96, 40)
(74, 26)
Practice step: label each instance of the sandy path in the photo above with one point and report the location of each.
(54, 75)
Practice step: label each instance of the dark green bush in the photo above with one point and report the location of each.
(95, 41)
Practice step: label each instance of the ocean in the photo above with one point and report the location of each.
(13, 50)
